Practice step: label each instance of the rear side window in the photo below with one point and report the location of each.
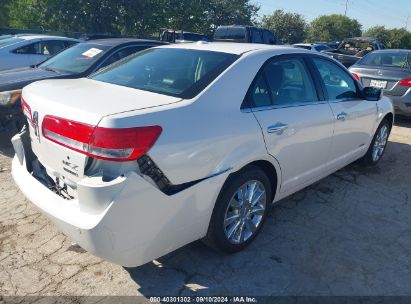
(268, 37)
(230, 33)
(283, 82)
(256, 35)
(176, 72)
(338, 83)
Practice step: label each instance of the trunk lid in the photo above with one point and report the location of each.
(83, 100)
(391, 75)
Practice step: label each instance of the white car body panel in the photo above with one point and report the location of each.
(128, 220)
(303, 148)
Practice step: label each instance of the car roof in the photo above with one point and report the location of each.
(228, 47)
(39, 36)
(393, 51)
(304, 44)
(119, 41)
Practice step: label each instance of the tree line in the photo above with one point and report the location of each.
(292, 28)
(143, 18)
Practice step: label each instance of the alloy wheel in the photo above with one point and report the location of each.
(380, 143)
(245, 212)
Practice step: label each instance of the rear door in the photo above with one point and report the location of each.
(354, 117)
(297, 124)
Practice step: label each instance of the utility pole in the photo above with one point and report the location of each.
(346, 7)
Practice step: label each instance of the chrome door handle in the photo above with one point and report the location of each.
(277, 128)
(342, 116)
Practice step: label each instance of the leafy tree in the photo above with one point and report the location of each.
(129, 17)
(4, 12)
(379, 32)
(399, 39)
(333, 28)
(288, 27)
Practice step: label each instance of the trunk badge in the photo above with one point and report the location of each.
(379, 72)
(35, 122)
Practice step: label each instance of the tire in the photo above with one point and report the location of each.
(234, 224)
(378, 144)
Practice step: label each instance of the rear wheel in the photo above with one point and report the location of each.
(378, 144)
(240, 211)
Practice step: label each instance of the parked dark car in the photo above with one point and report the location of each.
(352, 49)
(78, 61)
(174, 36)
(243, 33)
(389, 70)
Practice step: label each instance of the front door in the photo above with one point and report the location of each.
(297, 126)
(354, 117)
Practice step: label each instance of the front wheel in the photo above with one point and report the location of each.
(240, 211)
(378, 144)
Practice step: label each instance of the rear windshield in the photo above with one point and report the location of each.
(401, 60)
(176, 72)
(76, 59)
(230, 33)
(9, 41)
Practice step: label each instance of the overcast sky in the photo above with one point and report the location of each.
(367, 12)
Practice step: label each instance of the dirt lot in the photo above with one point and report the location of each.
(349, 234)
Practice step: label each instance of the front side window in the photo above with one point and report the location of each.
(338, 83)
(176, 72)
(283, 82)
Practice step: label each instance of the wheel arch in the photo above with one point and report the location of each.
(267, 167)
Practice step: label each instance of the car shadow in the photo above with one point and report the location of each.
(329, 239)
(6, 148)
(401, 121)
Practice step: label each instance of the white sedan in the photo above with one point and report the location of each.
(190, 141)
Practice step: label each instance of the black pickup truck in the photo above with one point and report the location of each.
(351, 50)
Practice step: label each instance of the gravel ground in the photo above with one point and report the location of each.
(349, 234)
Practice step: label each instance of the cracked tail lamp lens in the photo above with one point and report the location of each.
(9, 97)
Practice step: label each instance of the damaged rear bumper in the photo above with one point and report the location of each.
(127, 221)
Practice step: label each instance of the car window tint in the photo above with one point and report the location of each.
(120, 54)
(256, 35)
(389, 59)
(338, 83)
(268, 37)
(176, 72)
(53, 47)
(289, 82)
(260, 93)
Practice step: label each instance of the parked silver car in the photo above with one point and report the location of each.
(389, 70)
(26, 50)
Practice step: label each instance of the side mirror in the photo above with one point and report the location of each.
(372, 93)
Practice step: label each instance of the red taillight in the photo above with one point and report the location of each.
(406, 82)
(25, 108)
(356, 76)
(124, 144)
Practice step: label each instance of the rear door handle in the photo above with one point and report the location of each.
(342, 116)
(277, 128)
